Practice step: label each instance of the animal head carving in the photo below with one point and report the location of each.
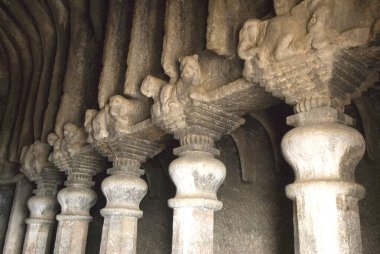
(75, 139)
(34, 158)
(190, 69)
(151, 87)
(41, 153)
(124, 112)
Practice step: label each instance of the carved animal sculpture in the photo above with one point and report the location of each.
(127, 112)
(41, 153)
(151, 87)
(100, 131)
(75, 139)
(54, 141)
(269, 40)
(191, 77)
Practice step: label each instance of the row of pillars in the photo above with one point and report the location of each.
(322, 150)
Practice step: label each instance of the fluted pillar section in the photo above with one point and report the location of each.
(197, 176)
(43, 208)
(324, 152)
(76, 199)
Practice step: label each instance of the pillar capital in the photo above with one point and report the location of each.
(43, 206)
(197, 118)
(73, 155)
(122, 132)
(315, 61)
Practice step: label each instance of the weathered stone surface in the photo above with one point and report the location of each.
(185, 33)
(81, 77)
(318, 64)
(196, 173)
(43, 206)
(224, 20)
(312, 58)
(118, 30)
(78, 159)
(61, 21)
(45, 25)
(20, 40)
(144, 56)
(10, 108)
(117, 133)
(369, 109)
(6, 198)
(16, 226)
(29, 42)
(324, 189)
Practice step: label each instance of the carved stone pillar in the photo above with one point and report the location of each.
(43, 206)
(73, 155)
(197, 174)
(115, 134)
(16, 225)
(124, 190)
(319, 71)
(324, 152)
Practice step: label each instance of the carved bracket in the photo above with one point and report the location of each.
(321, 56)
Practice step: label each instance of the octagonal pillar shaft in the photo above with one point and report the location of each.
(124, 190)
(324, 153)
(76, 201)
(43, 208)
(197, 176)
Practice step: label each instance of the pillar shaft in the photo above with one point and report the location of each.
(16, 226)
(193, 230)
(119, 234)
(124, 190)
(324, 156)
(73, 221)
(81, 162)
(43, 208)
(40, 224)
(38, 236)
(6, 198)
(197, 176)
(71, 234)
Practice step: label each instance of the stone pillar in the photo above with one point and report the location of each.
(16, 226)
(197, 118)
(76, 199)
(320, 70)
(81, 162)
(6, 198)
(124, 190)
(43, 206)
(197, 176)
(118, 133)
(324, 152)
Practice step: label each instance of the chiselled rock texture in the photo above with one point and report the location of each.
(127, 142)
(192, 103)
(43, 206)
(317, 65)
(80, 162)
